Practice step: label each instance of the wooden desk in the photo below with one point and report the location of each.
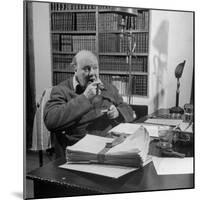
(52, 181)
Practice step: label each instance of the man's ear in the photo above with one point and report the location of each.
(74, 66)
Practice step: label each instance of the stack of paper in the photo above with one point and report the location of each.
(129, 128)
(130, 151)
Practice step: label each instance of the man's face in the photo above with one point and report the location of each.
(87, 70)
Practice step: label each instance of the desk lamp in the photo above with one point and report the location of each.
(131, 40)
(178, 74)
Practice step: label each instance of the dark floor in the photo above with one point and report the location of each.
(32, 162)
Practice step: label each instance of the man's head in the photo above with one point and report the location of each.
(86, 67)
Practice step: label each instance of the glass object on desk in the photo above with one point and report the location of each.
(165, 143)
(165, 138)
(188, 113)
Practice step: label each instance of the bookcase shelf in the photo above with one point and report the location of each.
(122, 72)
(103, 54)
(63, 52)
(103, 72)
(74, 32)
(121, 54)
(75, 11)
(118, 31)
(96, 28)
(63, 71)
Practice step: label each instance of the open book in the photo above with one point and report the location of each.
(122, 150)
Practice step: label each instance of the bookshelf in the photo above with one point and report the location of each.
(97, 28)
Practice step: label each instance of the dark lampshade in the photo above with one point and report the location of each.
(179, 69)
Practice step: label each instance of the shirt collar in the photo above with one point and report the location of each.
(75, 82)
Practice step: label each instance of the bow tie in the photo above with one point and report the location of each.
(79, 89)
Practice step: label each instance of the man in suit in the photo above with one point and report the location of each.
(84, 104)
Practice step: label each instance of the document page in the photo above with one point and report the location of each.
(169, 122)
(111, 171)
(90, 143)
(129, 128)
(185, 126)
(167, 166)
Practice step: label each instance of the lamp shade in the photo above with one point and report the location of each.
(125, 11)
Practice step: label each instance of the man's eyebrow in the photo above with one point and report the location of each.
(86, 66)
(89, 66)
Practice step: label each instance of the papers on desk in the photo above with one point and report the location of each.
(186, 127)
(111, 157)
(129, 128)
(112, 171)
(122, 150)
(168, 122)
(167, 166)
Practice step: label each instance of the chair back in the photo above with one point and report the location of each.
(41, 137)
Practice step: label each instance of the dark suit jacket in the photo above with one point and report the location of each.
(70, 115)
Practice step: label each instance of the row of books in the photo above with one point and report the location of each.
(120, 82)
(140, 39)
(109, 21)
(141, 22)
(83, 42)
(73, 21)
(113, 21)
(73, 43)
(55, 40)
(85, 21)
(107, 42)
(118, 63)
(58, 77)
(66, 6)
(66, 43)
(139, 83)
(63, 21)
(112, 63)
(110, 42)
(62, 62)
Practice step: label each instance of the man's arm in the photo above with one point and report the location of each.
(61, 111)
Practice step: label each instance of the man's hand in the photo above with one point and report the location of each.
(113, 112)
(91, 89)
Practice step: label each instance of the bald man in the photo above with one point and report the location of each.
(84, 105)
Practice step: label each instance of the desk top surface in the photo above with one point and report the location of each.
(143, 179)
